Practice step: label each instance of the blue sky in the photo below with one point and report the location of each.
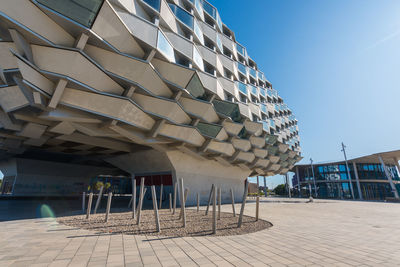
(335, 63)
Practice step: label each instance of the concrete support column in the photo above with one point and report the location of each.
(357, 180)
(389, 177)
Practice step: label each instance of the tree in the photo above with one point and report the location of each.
(280, 190)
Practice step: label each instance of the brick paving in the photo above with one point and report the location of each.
(323, 233)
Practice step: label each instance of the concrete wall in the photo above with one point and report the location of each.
(199, 175)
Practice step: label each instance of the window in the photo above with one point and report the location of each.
(165, 47)
(197, 59)
(198, 32)
(153, 3)
(182, 15)
(83, 11)
(243, 98)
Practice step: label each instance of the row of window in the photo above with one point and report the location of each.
(339, 172)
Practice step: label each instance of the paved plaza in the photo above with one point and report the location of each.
(323, 233)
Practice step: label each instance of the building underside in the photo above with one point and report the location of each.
(134, 88)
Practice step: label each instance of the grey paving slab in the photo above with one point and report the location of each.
(323, 233)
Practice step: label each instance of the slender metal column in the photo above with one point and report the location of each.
(265, 187)
(198, 202)
(246, 188)
(389, 177)
(133, 197)
(313, 176)
(288, 185)
(83, 201)
(161, 193)
(219, 203)
(155, 208)
(175, 193)
(98, 200)
(348, 170)
(89, 206)
(357, 180)
(182, 196)
(298, 179)
(214, 211)
(309, 184)
(170, 202)
(233, 203)
(108, 205)
(209, 198)
(141, 195)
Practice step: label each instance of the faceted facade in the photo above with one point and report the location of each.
(147, 86)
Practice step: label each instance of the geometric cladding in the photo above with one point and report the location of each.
(109, 77)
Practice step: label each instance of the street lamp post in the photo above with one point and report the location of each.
(348, 170)
(313, 176)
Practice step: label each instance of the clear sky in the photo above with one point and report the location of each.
(335, 63)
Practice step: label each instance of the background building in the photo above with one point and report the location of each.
(373, 177)
(141, 88)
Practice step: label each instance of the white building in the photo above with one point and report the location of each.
(151, 87)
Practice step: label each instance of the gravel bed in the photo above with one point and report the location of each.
(197, 223)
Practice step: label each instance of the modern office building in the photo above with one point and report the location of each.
(372, 177)
(147, 88)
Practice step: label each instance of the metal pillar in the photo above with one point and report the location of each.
(396, 162)
(287, 185)
(389, 177)
(265, 187)
(309, 184)
(298, 179)
(313, 176)
(357, 180)
(348, 170)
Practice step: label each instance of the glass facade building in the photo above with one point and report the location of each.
(367, 176)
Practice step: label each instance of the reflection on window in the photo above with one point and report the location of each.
(263, 108)
(265, 126)
(165, 47)
(182, 15)
(253, 90)
(197, 4)
(260, 75)
(219, 44)
(242, 68)
(197, 59)
(243, 133)
(228, 109)
(272, 150)
(83, 11)
(219, 21)
(210, 9)
(198, 32)
(253, 72)
(154, 4)
(242, 87)
(272, 122)
(195, 87)
(262, 92)
(240, 49)
(211, 130)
